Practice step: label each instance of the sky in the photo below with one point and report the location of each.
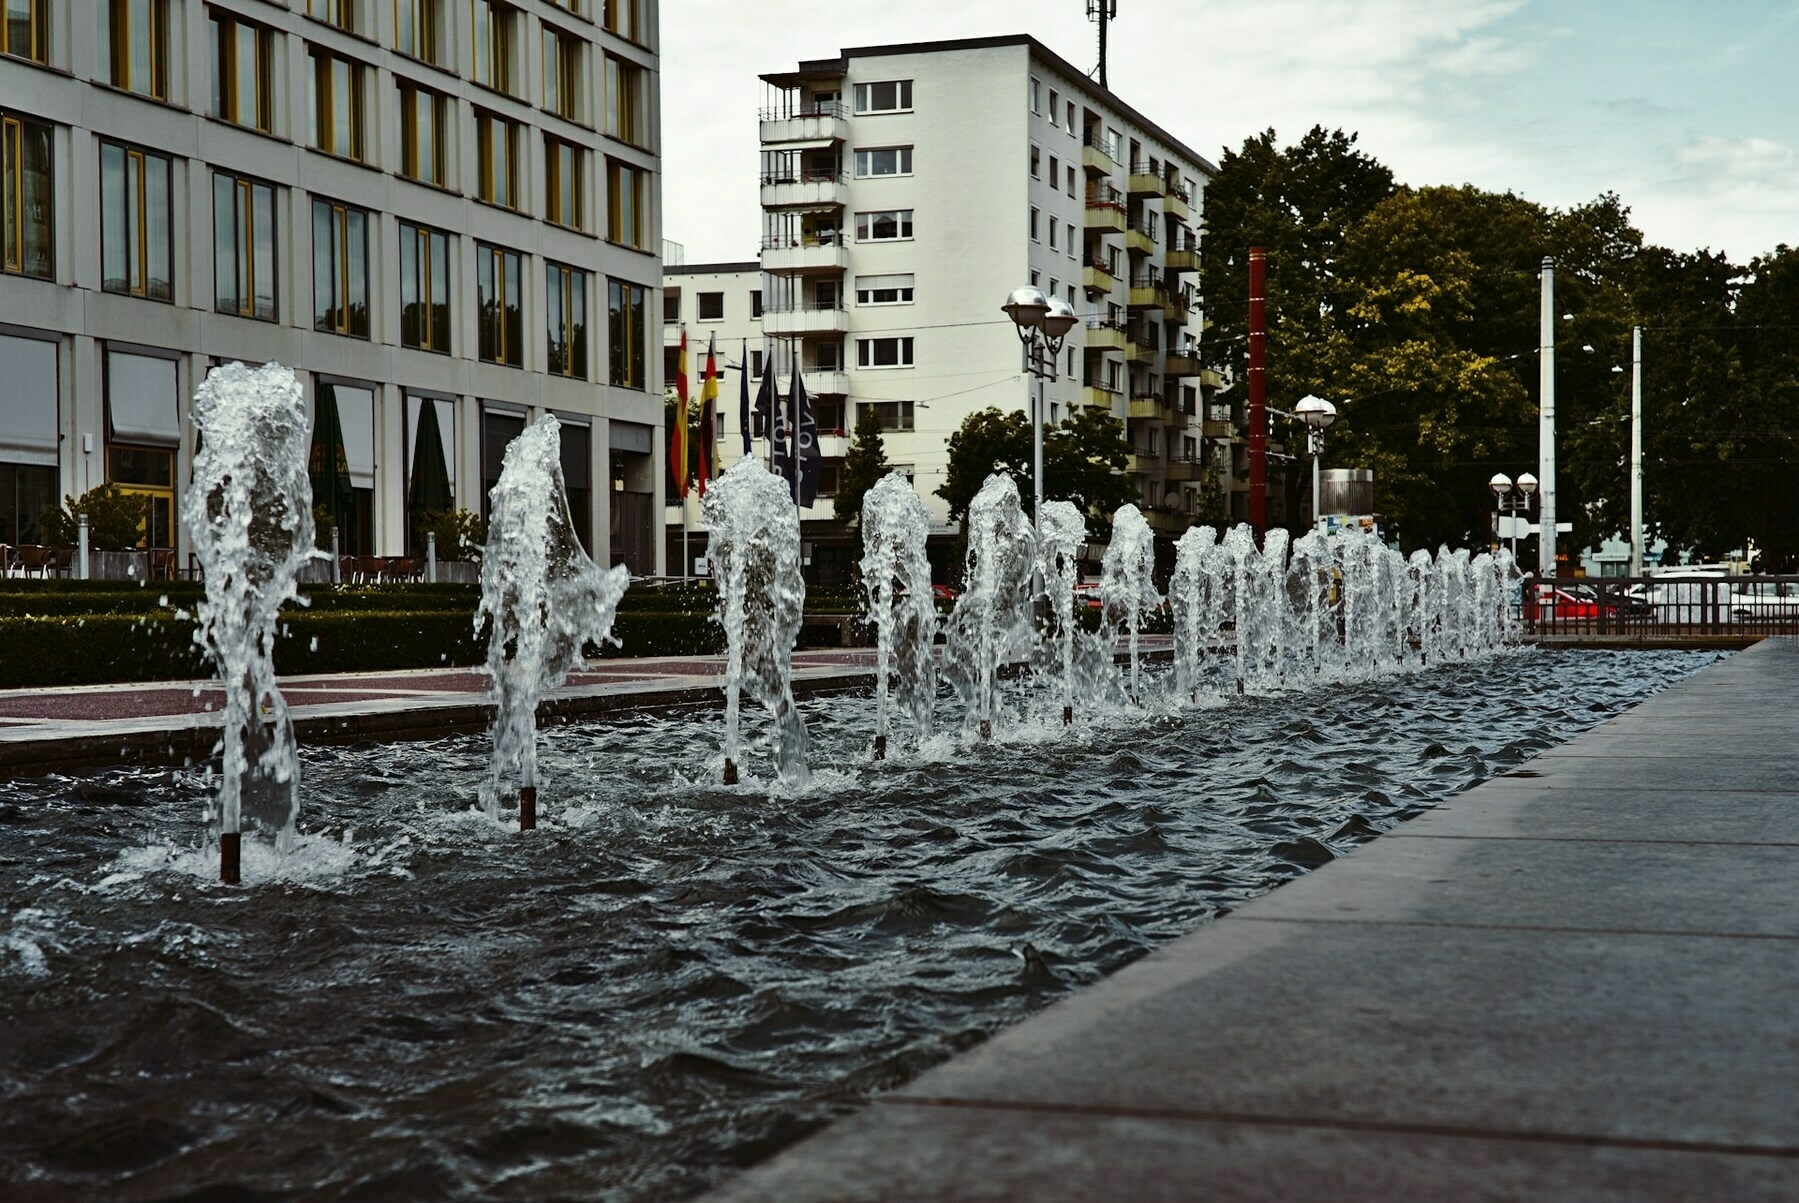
(1688, 110)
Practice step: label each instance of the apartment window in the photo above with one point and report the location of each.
(340, 269)
(884, 352)
(242, 72)
(627, 222)
(1055, 168)
(570, 6)
(1070, 188)
(625, 333)
(1037, 163)
(1035, 276)
(491, 38)
(1036, 95)
(499, 277)
(894, 415)
(625, 108)
(755, 302)
(565, 316)
(25, 29)
(243, 247)
(140, 46)
(26, 195)
(1055, 286)
(136, 223)
(671, 305)
(1071, 126)
(424, 289)
(887, 96)
(884, 225)
(336, 105)
(1052, 237)
(883, 160)
(1055, 103)
(712, 306)
(341, 13)
(496, 140)
(416, 28)
(562, 73)
(565, 186)
(1034, 218)
(884, 290)
(424, 138)
(624, 17)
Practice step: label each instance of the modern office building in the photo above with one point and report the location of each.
(442, 205)
(905, 191)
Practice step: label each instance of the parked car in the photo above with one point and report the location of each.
(1764, 600)
(1686, 595)
(1086, 595)
(1574, 603)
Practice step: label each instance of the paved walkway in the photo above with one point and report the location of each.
(1578, 981)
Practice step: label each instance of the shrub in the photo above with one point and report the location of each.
(115, 519)
(460, 534)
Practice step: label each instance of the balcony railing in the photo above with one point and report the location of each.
(781, 242)
(804, 307)
(806, 176)
(786, 112)
(1104, 196)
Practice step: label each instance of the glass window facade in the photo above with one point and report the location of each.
(565, 316)
(340, 269)
(27, 195)
(242, 72)
(424, 288)
(626, 222)
(337, 105)
(625, 333)
(136, 223)
(424, 140)
(565, 191)
(496, 142)
(243, 239)
(139, 34)
(499, 276)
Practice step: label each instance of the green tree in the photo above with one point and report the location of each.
(988, 441)
(1085, 459)
(863, 466)
(115, 519)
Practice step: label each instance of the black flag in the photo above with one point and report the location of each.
(743, 401)
(780, 430)
(807, 441)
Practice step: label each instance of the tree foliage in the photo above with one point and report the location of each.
(1084, 461)
(115, 519)
(863, 466)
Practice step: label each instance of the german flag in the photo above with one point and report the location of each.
(677, 427)
(705, 461)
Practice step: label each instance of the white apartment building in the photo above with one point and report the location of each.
(450, 204)
(906, 190)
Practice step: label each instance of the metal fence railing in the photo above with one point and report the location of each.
(1661, 607)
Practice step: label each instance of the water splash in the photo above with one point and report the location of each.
(249, 514)
(1061, 533)
(1196, 601)
(1127, 588)
(754, 553)
(991, 625)
(896, 574)
(545, 599)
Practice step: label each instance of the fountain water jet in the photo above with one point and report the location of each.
(896, 574)
(991, 624)
(1061, 531)
(249, 513)
(754, 553)
(546, 600)
(1127, 587)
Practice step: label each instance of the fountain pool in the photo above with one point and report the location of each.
(670, 977)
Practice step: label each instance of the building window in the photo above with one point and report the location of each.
(712, 306)
(497, 142)
(423, 135)
(570, 6)
(562, 74)
(1070, 181)
(625, 108)
(243, 247)
(492, 42)
(756, 372)
(1055, 103)
(1036, 95)
(884, 290)
(671, 305)
(1037, 163)
(416, 25)
(884, 352)
(140, 46)
(565, 183)
(894, 415)
(624, 17)
(884, 226)
(424, 289)
(625, 333)
(755, 302)
(26, 175)
(1033, 223)
(888, 96)
(499, 277)
(626, 222)
(341, 13)
(565, 315)
(340, 269)
(1071, 128)
(242, 72)
(136, 224)
(883, 160)
(25, 32)
(336, 105)
(1052, 237)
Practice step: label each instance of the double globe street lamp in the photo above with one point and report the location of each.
(1317, 414)
(1511, 497)
(1043, 323)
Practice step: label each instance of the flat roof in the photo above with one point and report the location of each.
(827, 68)
(700, 269)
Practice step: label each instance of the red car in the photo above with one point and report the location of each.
(1546, 603)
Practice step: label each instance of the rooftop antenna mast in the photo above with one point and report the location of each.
(1102, 11)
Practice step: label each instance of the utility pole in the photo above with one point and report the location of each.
(1102, 11)
(1258, 397)
(1546, 426)
(1636, 451)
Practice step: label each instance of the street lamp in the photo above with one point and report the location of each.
(1317, 414)
(1042, 322)
(1512, 497)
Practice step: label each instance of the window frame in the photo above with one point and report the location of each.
(245, 263)
(343, 259)
(492, 51)
(410, 95)
(120, 18)
(569, 72)
(485, 123)
(565, 289)
(426, 17)
(627, 109)
(37, 49)
(867, 353)
(865, 162)
(905, 414)
(325, 101)
(902, 96)
(135, 165)
(499, 269)
(700, 300)
(627, 306)
(618, 172)
(868, 222)
(339, 14)
(14, 244)
(430, 249)
(557, 175)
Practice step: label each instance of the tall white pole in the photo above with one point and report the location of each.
(1546, 425)
(1037, 462)
(1636, 451)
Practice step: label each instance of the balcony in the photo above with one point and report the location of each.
(826, 382)
(1097, 277)
(1104, 217)
(831, 445)
(1144, 464)
(1174, 201)
(1214, 428)
(803, 320)
(1140, 241)
(1183, 256)
(1181, 467)
(1145, 407)
(1145, 181)
(1095, 160)
(1104, 335)
(806, 255)
(1148, 293)
(1098, 396)
(1181, 363)
(1178, 307)
(805, 190)
(1168, 522)
(818, 124)
(1211, 378)
(1139, 353)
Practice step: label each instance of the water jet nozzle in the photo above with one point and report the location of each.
(230, 857)
(527, 808)
(730, 771)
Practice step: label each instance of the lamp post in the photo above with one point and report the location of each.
(1042, 323)
(1511, 497)
(1317, 414)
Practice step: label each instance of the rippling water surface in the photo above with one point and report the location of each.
(669, 978)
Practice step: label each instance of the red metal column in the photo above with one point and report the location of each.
(1258, 400)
